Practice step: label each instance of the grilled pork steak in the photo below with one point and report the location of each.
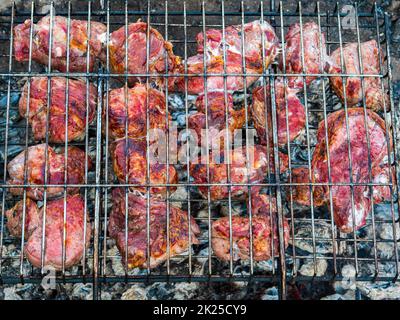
(79, 43)
(255, 34)
(75, 238)
(130, 162)
(139, 101)
(57, 114)
(136, 228)
(36, 162)
(160, 59)
(375, 97)
(314, 48)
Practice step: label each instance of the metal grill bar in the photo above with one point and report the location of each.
(101, 254)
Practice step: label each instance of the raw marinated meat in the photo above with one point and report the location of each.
(76, 108)
(78, 44)
(136, 229)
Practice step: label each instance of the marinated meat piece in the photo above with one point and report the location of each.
(78, 44)
(253, 38)
(374, 96)
(314, 48)
(383, 174)
(77, 108)
(339, 164)
(215, 79)
(262, 204)
(75, 242)
(136, 229)
(36, 162)
(74, 230)
(216, 112)
(214, 57)
(161, 57)
(261, 236)
(301, 193)
(218, 169)
(15, 218)
(140, 101)
(296, 113)
(136, 169)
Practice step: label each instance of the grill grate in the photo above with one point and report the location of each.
(179, 26)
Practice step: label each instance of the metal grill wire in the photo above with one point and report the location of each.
(96, 190)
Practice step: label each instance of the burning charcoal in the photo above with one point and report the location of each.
(237, 208)
(348, 273)
(322, 230)
(314, 95)
(213, 56)
(14, 98)
(82, 291)
(10, 294)
(348, 295)
(185, 290)
(379, 290)
(383, 211)
(181, 119)
(270, 294)
(135, 292)
(385, 231)
(385, 250)
(176, 102)
(314, 269)
(78, 46)
(265, 266)
(179, 194)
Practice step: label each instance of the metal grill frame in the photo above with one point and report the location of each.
(101, 184)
